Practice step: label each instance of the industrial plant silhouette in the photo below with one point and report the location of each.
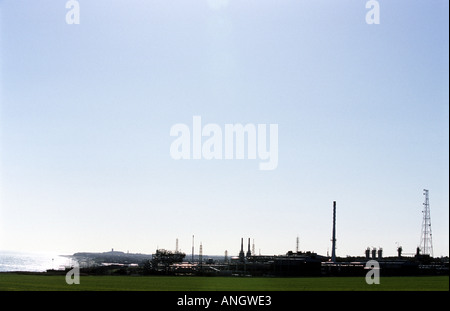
(298, 263)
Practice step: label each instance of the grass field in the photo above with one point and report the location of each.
(27, 282)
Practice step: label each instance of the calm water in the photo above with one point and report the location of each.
(33, 262)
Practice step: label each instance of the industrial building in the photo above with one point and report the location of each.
(311, 264)
(300, 263)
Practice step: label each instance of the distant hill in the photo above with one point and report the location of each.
(116, 257)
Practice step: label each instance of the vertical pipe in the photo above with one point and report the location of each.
(253, 248)
(200, 256)
(333, 240)
(192, 248)
(241, 253)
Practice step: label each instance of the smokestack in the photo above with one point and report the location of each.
(192, 248)
(241, 253)
(200, 256)
(249, 253)
(333, 240)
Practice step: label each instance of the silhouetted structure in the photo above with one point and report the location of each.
(249, 253)
(333, 239)
(426, 241)
(241, 253)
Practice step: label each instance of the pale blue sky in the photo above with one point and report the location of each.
(86, 111)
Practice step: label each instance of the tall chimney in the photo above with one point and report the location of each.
(192, 248)
(249, 253)
(333, 240)
(241, 253)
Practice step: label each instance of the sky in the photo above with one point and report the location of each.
(86, 112)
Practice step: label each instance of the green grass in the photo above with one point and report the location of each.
(24, 282)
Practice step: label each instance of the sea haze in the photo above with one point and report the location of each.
(32, 262)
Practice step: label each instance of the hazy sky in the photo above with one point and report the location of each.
(86, 112)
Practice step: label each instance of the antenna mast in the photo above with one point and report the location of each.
(426, 242)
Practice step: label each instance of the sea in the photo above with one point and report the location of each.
(32, 262)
